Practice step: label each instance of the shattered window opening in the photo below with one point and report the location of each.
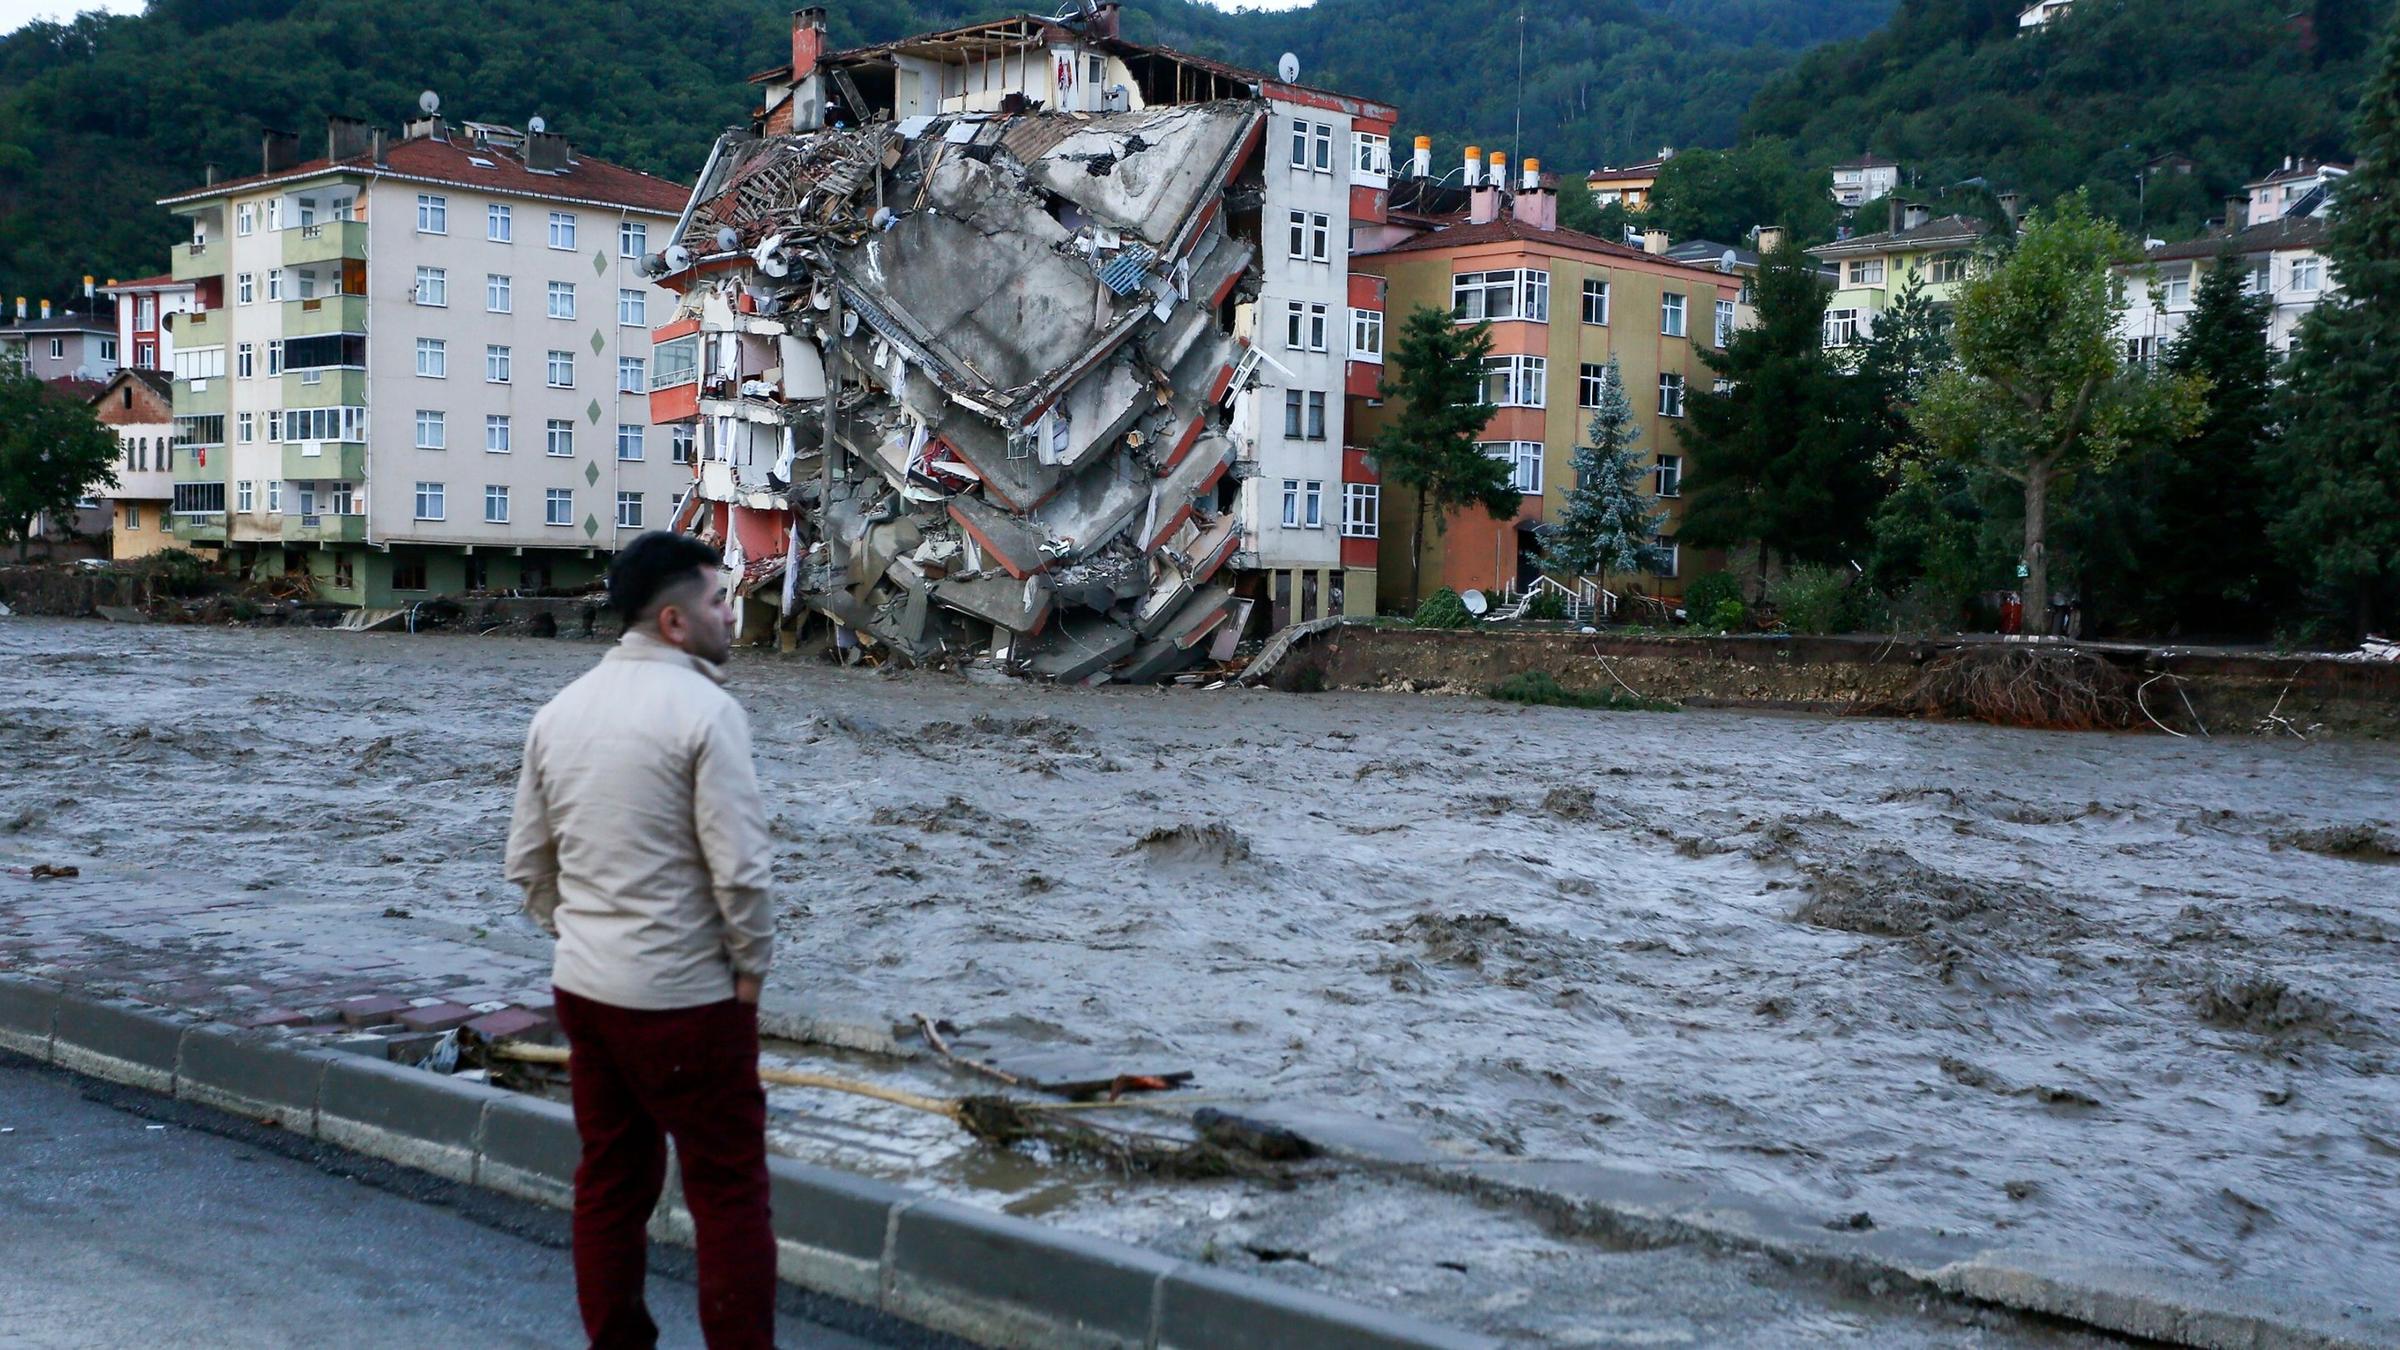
(679, 443)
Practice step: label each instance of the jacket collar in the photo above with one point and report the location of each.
(638, 645)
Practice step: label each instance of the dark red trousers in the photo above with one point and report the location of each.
(639, 1077)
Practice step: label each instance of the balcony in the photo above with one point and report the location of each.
(324, 528)
(335, 461)
(199, 327)
(328, 242)
(324, 314)
(199, 529)
(335, 387)
(193, 261)
(199, 398)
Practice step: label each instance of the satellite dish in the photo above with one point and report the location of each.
(429, 103)
(1287, 67)
(1475, 602)
(537, 126)
(770, 259)
(727, 239)
(653, 265)
(677, 257)
(1728, 262)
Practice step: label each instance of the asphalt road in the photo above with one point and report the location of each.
(127, 1219)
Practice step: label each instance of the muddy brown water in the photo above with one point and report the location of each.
(2114, 995)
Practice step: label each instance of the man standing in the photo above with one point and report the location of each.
(641, 844)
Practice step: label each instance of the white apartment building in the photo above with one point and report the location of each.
(1865, 179)
(143, 305)
(420, 366)
(2274, 230)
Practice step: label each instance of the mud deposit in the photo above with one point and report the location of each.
(2128, 997)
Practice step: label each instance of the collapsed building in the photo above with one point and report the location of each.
(968, 372)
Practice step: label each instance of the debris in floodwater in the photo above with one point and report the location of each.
(2260, 1003)
(1859, 1222)
(2354, 843)
(1214, 844)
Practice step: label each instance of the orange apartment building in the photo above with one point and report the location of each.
(1561, 303)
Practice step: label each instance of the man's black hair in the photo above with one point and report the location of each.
(654, 562)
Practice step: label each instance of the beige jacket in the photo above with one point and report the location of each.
(639, 836)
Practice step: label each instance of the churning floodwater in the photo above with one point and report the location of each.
(2118, 995)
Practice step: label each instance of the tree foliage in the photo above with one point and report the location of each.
(1609, 524)
(2339, 516)
(53, 451)
(1434, 377)
(1724, 194)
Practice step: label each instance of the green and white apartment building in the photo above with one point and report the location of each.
(419, 365)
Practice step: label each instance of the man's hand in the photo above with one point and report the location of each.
(746, 987)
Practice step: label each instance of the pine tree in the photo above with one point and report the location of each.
(1610, 526)
(2338, 516)
(1435, 374)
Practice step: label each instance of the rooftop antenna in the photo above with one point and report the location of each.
(1516, 149)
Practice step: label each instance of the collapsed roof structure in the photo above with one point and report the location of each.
(969, 382)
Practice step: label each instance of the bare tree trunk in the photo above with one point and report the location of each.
(2037, 556)
(1416, 556)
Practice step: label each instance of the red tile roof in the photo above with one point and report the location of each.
(162, 281)
(428, 160)
(1510, 228)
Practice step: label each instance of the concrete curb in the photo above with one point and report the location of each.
(979, 1275)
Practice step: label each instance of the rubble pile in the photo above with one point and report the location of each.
(970, 384)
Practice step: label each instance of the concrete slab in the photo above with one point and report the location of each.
(252, 1075)
(1203, 1308)
(412, 1117)
(1003, 1281)
(28, 1011)
(122, 1041)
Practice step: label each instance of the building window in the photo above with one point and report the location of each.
(429, 502)
(1588, 382)
(496, 433)
(1524, 461)
(562, 299)
(1516, 381)
(496, 365)
(1294, 332)
(133, 515)
(108, 349)
(495, 503)
(678, 362)
(431, 433)
(559, 438)
(1319, 326)
(433, 286)
(1312, 505)
(1866, 271)
(245, 288)
(243, 425)
(244, 363)
(1595, 301)
(1291, 414)
(2178, 287)
(1670, 563)
(562, 229)
(1947, 268)
(1519, 293)
(433, 213)
(629, 375)
(562, 370)
(145, 355)
(1320, 237)
(275, 496)
(242, 499)
(633, 237)
(1667, 479)
(1370, 154)
(1291, 503)
(679, 442)
(408, 574)
(1296, 236)
(629, 510)
(1299, 144)
(558, 506)
(499, 225)
(1670, 395)
(630, 440)
(245, 219)
(496, 297)
(2141, 351)
(1362, 510)
(631, 311)
(433, 358)
(2307, 273)
(1320, 141)
(1841, 327)
(1366, 334)
(1724, 322)
(1670, 314)
(1316, 414)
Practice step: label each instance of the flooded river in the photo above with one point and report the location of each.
(2123, 996)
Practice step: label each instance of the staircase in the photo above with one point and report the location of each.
(1586, 602)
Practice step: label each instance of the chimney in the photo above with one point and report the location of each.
(808, 41)
(1916, 216)
(1422, 165)
(1534, 208)
(1654, 241)
(1770, 238)
(1104, 22)
(347, 137)
(380, 149)
(1483, 204)
(546, 152)
(2237, 212)
(2012, 205)
(1473, 176)
(210, 173)
(1896, 215)
(1496, 171)
(277, 151)
(45, 311)
(20, 309)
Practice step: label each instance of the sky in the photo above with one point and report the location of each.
(15, 14)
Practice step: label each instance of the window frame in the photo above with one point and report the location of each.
(438, 367)
(495, 493)
(503, 424)
(1674, 315)
(1362, 511)
(562, 226)
(1596, 288)
(433, 213)
(437, 496)
(432, 429)
(499, 223)
(1671, 383)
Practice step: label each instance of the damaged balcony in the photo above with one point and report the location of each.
(966, 385)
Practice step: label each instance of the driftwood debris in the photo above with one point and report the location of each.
(2055, 688)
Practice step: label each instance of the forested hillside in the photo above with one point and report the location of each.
(1953, 91)
(100, 117)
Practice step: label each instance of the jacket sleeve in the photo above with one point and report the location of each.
(730, 821)
(532, 845)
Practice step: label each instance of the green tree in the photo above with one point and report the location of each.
(1776, 457)
(1434, 373)
(52, 452)
(1609, 524)
(2205, 563)
(1578, 209)
(1724, 194)
(2339, 518)
(2041, 388)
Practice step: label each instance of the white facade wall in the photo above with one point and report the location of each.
(1294, 131)
(2158, 298)
(258, 323)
